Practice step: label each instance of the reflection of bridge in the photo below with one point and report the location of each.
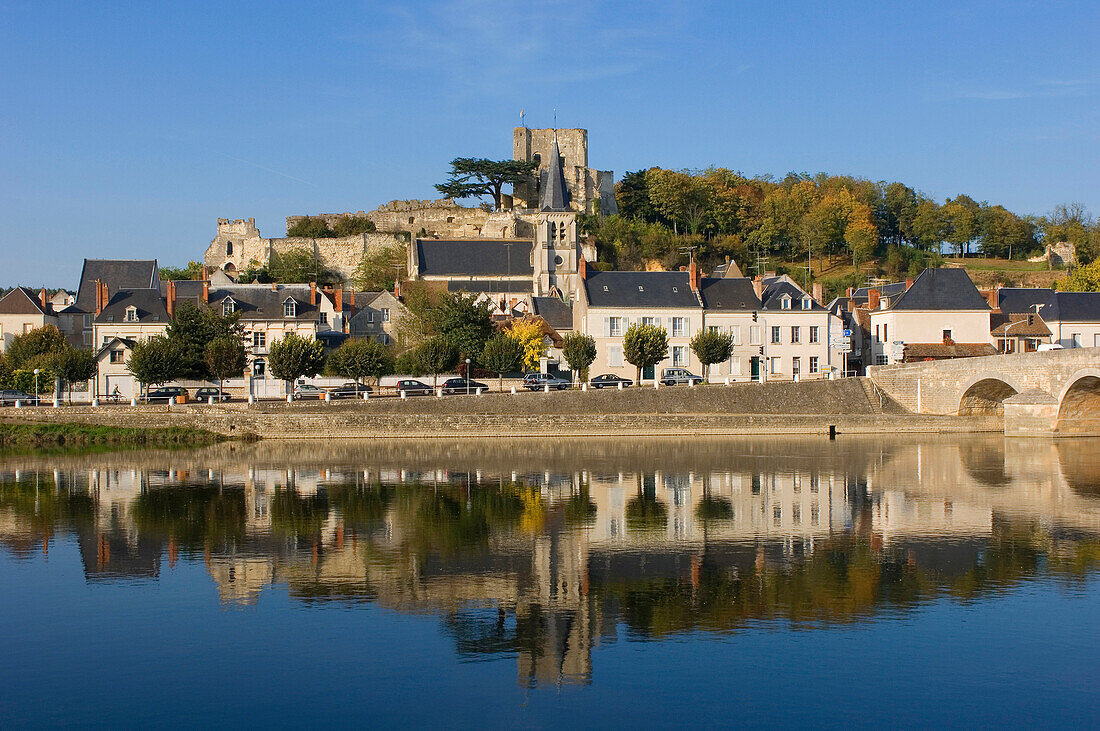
(1044, 393)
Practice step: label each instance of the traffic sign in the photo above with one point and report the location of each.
(847, 333)
(842, 344)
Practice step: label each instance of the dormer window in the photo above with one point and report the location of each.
(228, 307)
(806, 303)
(290, 307)
(785, 302)
(131, 314)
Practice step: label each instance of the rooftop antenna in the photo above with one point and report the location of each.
(690, 251)
(761, 264)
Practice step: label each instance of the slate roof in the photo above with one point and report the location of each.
(119, 274)
(554, 196)
(22, 301)
(640, 289)
(254, 301)
(1020, 299)
(941, 289)
(150, 306)
(490, 286)
(110, 344)
(475, 257)
(1072, 307)
(728, 294)
(558, 314)
(728, 269)
(776, 287)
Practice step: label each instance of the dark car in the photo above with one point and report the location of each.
(350, 390)
(414, 388)
(461, 385)
(610, 380)
(165, 395)
(672, 376)
(538, 381)
(9, 397)
(206, 392)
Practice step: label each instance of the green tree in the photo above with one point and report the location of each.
(680, 196)
(74, 365)
(644, 346)
(193, 328)
(632, 196)
(380, 268)
(359, 358)
(1082, 279)
(225, 358)
(155, 361)
(353, 225)
(463, 322)
(436, 355)
(310, 228)
(476, 177)
(580, 352)
(502, 354)
(299, 265)
(41, 341)
(294, 356)
(961, 216)
(711, 346)
(193, 270)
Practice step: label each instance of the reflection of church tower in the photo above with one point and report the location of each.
(556, 232)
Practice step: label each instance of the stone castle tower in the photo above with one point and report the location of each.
(588, 190)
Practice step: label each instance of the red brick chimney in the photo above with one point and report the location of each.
(42, 298)
(98, 296)
(582, 269)
(872, 299)
(205, 289)
(758, 287)
(396, 290)
(908, 283)
(693, 276)
(851, 291)
(819, 292)
(339, 298)
(313, 293)
(351, 299)
(170, 299)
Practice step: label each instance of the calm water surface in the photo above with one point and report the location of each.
(863, 582)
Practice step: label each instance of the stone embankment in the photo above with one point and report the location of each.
(741, 409)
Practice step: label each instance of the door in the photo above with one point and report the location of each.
(754, 368)
(647, 372)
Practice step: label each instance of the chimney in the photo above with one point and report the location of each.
(851, 291)
(582, 269)
(396, 290)
(98, 296)
(851, 305)
(908, 283)
(872, 299)
(274, 287)
(758, 287)
(170, 299)
(42, 297)
(693, 276)
(339, 297)
(819, 292)
(205, 289)
(351, 299)
(313, 293)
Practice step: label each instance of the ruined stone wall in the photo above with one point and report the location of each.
(443, 218)
(341, 254)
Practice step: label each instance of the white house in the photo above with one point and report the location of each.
(1073, 319)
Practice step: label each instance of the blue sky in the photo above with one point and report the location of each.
(130, 128)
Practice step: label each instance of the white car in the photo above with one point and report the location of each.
(1049, 346)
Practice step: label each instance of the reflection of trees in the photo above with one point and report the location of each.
(579, 509)
(361, 506)
(41, 507)
(449, 519)
(714, 508)
(194, 515)
(298, 515)
(645, 511)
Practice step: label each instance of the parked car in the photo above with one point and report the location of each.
(308, 390)
(9, 397)
(414, 388)
(1043, 347)
(536, 382)
(461, 385)
(165, 395)
(208, 392)
(672, 376)
(350, 390)
(610, 380)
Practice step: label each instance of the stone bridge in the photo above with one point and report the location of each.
(1052, 392)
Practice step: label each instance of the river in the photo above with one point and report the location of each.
(917, 581)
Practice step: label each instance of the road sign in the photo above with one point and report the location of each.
(842, 344)
(847, 333)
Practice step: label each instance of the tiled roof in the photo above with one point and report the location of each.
(148, 303)
(941, 289)
(640, 289)
(475, 257)
(921, 351)
(729, 294)
(1014, 324)
(23, 301)
(118, 274)
(1072, 307)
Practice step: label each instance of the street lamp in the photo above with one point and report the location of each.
(35, 386)
(467, 376)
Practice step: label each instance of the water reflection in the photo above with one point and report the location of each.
(545, 551)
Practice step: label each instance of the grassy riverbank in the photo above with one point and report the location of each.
(83, 435)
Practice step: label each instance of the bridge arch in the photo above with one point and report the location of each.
(985, 394)
(1079, 403)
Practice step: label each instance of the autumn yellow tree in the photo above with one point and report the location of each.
(530, 332)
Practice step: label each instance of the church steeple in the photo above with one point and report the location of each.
(554, 196)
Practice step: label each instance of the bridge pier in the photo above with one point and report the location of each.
(1033, 413)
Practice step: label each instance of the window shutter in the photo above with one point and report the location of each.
(607, 327)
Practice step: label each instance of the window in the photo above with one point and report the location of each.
(228, 307)
(370, 315)
(796, 335)
(878, 335)
(384, 339)
(714, 329)
(649, 321)
(131, 314)
(735, 333)
(815, 514)
(946, 335)
(807, 303)
(679, 355)
(796, 366)
(1076, 340)
(1096, 340)
(229, 248)
(776, 337)
(118, 356)
(324, 318)
(87, 321)
(785, 302)
(615, 327)
(259, 340)
(773, 365)
(777, 515)
(886, 333)
(290, 308)
(880, 360)
(735, 366)
(813, 334)
(678, 329)
(814, 364)
(614, 356)
(796, 513)
(27, 327)
(385, 314)
(754, 335)
(258, 368)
